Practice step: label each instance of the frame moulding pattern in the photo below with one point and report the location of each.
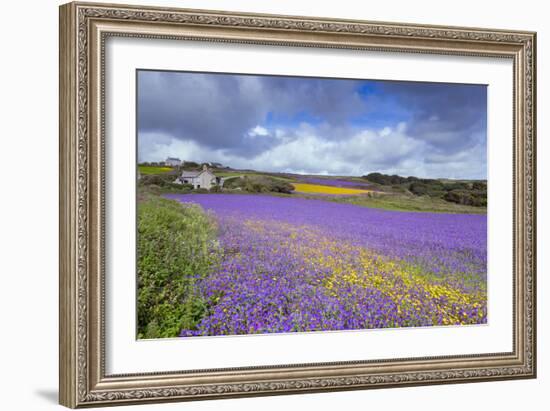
(76, 387)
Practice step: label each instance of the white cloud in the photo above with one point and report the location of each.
(258, 131)
(386, 131)
(308, 150)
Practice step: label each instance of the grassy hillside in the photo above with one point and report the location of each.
(374, 190)
(462, 192)
(401, 202)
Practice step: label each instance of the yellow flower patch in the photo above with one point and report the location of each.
(320, 189)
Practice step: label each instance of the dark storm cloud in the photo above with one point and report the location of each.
(213, 110)
(218, 110)
(448, 117)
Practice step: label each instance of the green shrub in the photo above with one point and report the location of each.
(479, 185)
(190, 165)
(419, 189)
(148, 190)
(260, 184)
(181, 188)
(458, 186)
(392, 180)
(472, 198)
(160, 180)
(473, 193)
(279, 186)
(176, 247)
(398, 188)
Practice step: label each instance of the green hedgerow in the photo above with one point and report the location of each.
(176, 247)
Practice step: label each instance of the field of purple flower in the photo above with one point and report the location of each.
(293, 264)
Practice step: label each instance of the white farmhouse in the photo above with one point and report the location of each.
(199, 179)
(173, 162)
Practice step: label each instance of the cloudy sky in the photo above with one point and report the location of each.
(312, 125)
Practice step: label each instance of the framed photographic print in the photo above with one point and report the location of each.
(259, 204)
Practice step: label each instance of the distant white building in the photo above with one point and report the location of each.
(199, 179)
(173, 162)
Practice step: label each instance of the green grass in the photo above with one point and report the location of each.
(399, 202)
(176, 246)
(229, 174)
(150, 170)
(390, 197)
(277, 177)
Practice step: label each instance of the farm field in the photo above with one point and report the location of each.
(305, 204)
(343, 189)
(336, 182)
(152, 170)
(317, 188)
(291, 264)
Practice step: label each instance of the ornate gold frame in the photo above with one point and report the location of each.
(83, 30)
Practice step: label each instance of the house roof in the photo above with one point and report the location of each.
(190, 173)
(196, 173)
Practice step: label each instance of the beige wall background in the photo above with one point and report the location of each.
(29, 188)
